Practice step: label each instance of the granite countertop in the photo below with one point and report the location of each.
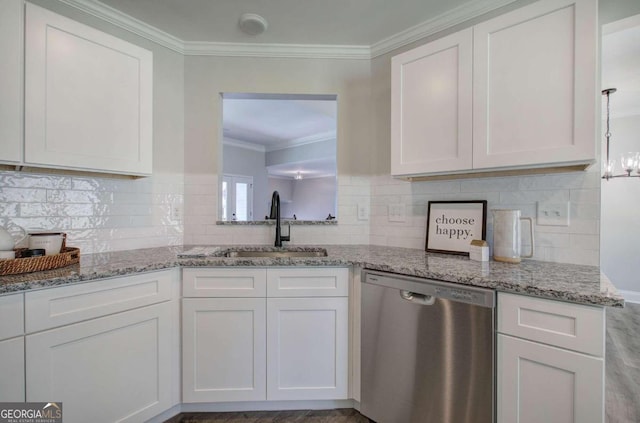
(566, 282)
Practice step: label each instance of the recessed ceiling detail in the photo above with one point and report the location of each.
(329, 29)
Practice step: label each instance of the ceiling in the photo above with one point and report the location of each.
(274, 123)
(326, 22)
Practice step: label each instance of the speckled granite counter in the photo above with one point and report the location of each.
(567, 282)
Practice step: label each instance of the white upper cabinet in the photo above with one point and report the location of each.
(431, 106)
(532, 101)
(88, 97)
(535, 87)
(11, 81)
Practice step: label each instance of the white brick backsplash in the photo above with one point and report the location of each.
(489, 185)
(108, 214)
(585, 196)
(553, 243)
(22, 195)
(98, 214)
(524, 197)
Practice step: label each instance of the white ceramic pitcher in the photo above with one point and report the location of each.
(507, 236)
(6, 240)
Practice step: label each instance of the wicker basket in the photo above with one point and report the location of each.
(67, 257)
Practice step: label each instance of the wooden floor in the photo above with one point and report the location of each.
(622, 381)
(345, 415)
(623, 364)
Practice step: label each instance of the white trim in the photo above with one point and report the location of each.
(233, 142)
(124, 21)
(462, 13)
(307, 51)
(297, 142)
(624, 113)
(439, 23)
(630, 296)
(621, 25)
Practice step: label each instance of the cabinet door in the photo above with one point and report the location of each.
(431, 107)
(11, 315)
(12, 370)
(223, 356)
(540, 384)
(115, 368)
(535, 91)
(307, 348)
(88, 97)
(11, 43)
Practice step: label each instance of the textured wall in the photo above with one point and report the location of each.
(98, 214)
(577, 243)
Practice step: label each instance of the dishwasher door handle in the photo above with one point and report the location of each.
(417, 298)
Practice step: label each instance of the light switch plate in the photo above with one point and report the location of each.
(363, 212)
(553, 214)
(176, 212)
(397, 213)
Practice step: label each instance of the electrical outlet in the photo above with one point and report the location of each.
(553, 214)
(363, 212)
(397, 213)
(176, 212)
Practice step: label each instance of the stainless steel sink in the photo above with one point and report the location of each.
(277, 253)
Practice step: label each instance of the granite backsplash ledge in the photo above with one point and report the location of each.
(566, 282)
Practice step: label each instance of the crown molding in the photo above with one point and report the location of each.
(460, 14)
(243, 144)
(310, 139)
(439, 23)
(124, 21)
(296, 51)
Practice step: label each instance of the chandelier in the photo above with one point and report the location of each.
(630, 162)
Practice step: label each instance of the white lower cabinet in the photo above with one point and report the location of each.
(269, 347)
(115, 368)
(224, 342)
(539, 384)
(12, 347)
(307, 348)
(113, 360)
(550, 359)
(12, 370)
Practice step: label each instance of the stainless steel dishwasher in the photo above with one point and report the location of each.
(427, 351)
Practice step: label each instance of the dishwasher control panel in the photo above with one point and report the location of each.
(460, 295)
(429, 287)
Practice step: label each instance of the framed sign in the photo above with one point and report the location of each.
(452, 225)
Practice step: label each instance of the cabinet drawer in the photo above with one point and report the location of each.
(308, 282)
(49, 308)
(572, 326)
(11, 316)
(224, 282)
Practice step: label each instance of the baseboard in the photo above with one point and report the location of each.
(163, 417)
(265, 406)
(630, 296)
